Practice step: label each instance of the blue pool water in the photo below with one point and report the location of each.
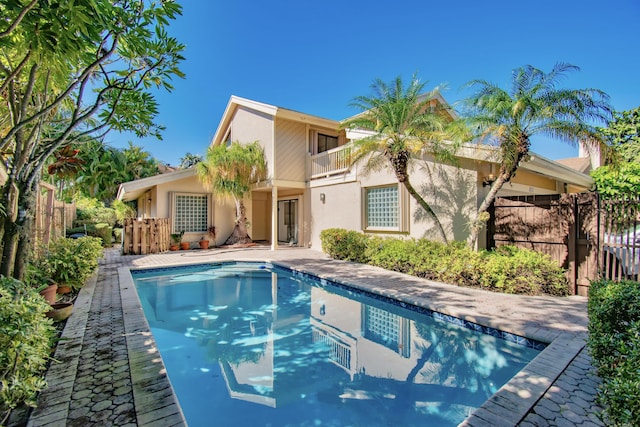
(249, 344)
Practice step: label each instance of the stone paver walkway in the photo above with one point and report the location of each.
(108, 372)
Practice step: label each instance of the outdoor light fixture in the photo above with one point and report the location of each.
(322, 197)
(488, 180)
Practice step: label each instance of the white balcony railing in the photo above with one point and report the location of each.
(330, 162)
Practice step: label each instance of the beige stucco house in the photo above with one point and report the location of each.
(310, 186)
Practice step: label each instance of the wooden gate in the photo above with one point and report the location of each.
(145, 236)
(563, 226)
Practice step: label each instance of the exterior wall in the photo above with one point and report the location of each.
(534, 180)
(451, 191)
(249, 126)
(340, 209)
(221, 213)
(259, 212)
(291, 151)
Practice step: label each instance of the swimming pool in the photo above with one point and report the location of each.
(256, 344)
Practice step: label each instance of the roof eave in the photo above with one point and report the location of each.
(142, 185)
(536, 163)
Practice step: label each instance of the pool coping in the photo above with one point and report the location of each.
(507, 407)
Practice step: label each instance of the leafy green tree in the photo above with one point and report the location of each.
(623, 134)
(103, 170)
(406, 124)
(68, 70)
(230, 172)
(535, 104)
(189, 160)
(621, 179)
(138, 163)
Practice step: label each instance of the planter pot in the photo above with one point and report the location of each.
(174, 247)
(60, 311)
(185, 245)
(49, 293)
(64, 289)
(204, 244)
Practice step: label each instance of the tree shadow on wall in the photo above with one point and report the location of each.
(452, 197)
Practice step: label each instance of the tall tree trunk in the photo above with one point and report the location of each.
(507, 171)
(26, 227)
(399, 162)
(484, 206)
(240, 234)
(18, 226)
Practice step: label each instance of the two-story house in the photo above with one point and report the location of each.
(311, 186)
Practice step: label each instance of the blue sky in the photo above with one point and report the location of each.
(316, 56)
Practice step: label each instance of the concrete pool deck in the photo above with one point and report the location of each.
(108, 371)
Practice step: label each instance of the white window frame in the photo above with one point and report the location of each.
(402, 220)
(174, 211)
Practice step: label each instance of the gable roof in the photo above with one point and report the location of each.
(236, 102)
(131, 190)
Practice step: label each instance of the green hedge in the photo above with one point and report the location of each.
(343, 244)
(26, 338)
(102, 230)
(507, 269)
(614, 344)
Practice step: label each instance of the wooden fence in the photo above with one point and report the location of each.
(590, 237)
(563, 226)
(146, 236)
(52, 217)
(620, 238)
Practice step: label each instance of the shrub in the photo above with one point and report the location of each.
(92, 211)
(105, 232)
(102, 231)
(72, 261)
(521, 271)
(117, 234)
(344, 244)
(26, 337)
(507, 269)
(123, 210)
(614, 344)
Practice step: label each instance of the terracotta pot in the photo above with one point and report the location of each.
(60, 311)
(204, 244)
(64, 289)
(185, 245)
(49, 293)
(174, 247)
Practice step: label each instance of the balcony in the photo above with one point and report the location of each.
(329, 163)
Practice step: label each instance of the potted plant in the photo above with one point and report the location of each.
(38, 276)
(204, 242)
(176, 238)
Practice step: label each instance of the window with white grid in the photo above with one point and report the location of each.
(191, 213)
(383, 207)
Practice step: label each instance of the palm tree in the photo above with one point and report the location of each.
(230, 172)
(534, 105)
(407, 124)
(189, 160)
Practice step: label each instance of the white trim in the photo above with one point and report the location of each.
(145, 184)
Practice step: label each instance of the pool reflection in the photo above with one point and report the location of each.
(279, 340)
